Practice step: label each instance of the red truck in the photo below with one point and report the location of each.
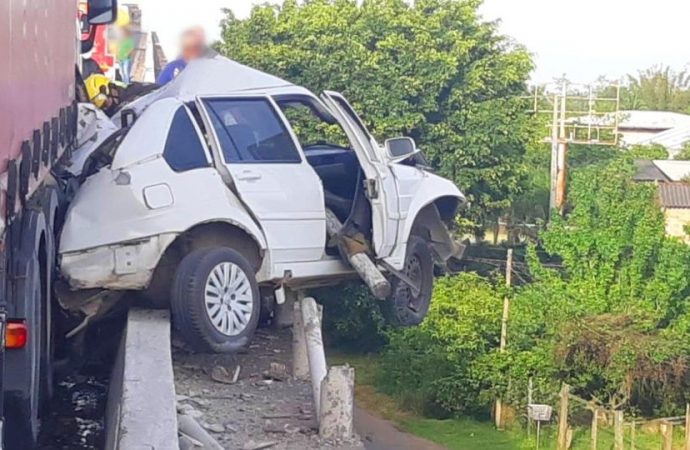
(40, 46)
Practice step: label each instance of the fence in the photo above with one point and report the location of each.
(585, 425)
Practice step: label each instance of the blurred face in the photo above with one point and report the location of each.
(193, 44)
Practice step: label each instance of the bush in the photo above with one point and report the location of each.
(352, 318)
(432, 368)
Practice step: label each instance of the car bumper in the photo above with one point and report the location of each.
(129, 265)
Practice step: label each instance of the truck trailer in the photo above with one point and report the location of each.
(40, 46)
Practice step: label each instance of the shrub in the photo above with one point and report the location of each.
(352, 318)
(432, 368)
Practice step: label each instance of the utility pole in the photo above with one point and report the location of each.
(559, 150)
(578, 116)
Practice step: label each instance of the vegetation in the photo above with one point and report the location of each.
(610, 316)
(658, 88)
(433, 71)
(612, 320)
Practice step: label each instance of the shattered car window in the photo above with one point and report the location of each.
(183, 148)
(250, 131)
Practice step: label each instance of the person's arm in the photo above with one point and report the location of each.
(166, 75)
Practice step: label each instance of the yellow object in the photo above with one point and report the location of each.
(97, 89)
(123, 18)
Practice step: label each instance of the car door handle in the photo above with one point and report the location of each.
(249, 175)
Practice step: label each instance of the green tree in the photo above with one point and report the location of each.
(658, 88)
(433, 71)
(611, 318)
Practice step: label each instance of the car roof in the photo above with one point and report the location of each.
(217, 76)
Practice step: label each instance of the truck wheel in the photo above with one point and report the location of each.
(25, 366)
(405, 308)
(215, 300)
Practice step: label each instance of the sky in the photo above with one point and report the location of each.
(582, 39)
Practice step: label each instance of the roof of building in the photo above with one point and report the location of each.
(653, 120)
(662, 170)
(637, 120)
(674, 195)
(673, 170)
(673, 139)
(646, 170)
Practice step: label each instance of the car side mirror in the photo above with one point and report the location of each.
(400, 148)
(102, 12)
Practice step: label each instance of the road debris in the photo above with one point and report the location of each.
(279, 413)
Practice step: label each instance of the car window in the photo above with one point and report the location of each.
(311, 130)
(183, 147)
(250, 131)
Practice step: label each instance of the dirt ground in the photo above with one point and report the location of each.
(259, 410)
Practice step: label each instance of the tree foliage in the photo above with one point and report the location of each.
(432, 70)
(658, 88)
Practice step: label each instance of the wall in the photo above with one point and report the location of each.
(676, 219)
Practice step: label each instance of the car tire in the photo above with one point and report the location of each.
(403, 308)
(215, 300)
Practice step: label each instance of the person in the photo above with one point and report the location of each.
(193, 46)
(123, 43)
(124, 54)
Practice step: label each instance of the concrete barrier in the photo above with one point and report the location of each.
(141, 412)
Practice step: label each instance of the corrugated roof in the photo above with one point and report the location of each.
(674, 195)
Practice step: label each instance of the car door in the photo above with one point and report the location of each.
(269, 173)
(381, 186)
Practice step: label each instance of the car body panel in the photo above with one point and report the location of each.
(418, 189)
(286, 199)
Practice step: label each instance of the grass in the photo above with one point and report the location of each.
(454, 434)
(469, 434)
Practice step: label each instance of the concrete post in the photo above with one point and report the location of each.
(300, 360)
(315, 352)
(337, 403)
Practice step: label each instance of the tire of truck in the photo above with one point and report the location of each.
(27, 369)
(403, 308)
(215, 300)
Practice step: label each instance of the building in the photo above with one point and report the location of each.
(669, 129)
(673, 189)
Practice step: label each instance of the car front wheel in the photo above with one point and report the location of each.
(215, 300)
(408, 305)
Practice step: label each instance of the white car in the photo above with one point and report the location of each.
(209, 200)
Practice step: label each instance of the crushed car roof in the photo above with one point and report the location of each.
(217, 76)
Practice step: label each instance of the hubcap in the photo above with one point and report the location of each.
(228, 298)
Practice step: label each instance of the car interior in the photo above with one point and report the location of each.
(327, 150)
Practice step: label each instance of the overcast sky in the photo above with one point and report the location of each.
(581, 38)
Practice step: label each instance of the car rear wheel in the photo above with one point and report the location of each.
(215, 300)
(407, 306)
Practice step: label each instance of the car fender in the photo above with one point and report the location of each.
(428, 189)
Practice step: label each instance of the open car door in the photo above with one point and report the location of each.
(254, 143)
(380, 184)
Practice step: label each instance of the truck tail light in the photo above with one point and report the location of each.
(16, 334)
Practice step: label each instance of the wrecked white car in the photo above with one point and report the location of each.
(229, 184)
